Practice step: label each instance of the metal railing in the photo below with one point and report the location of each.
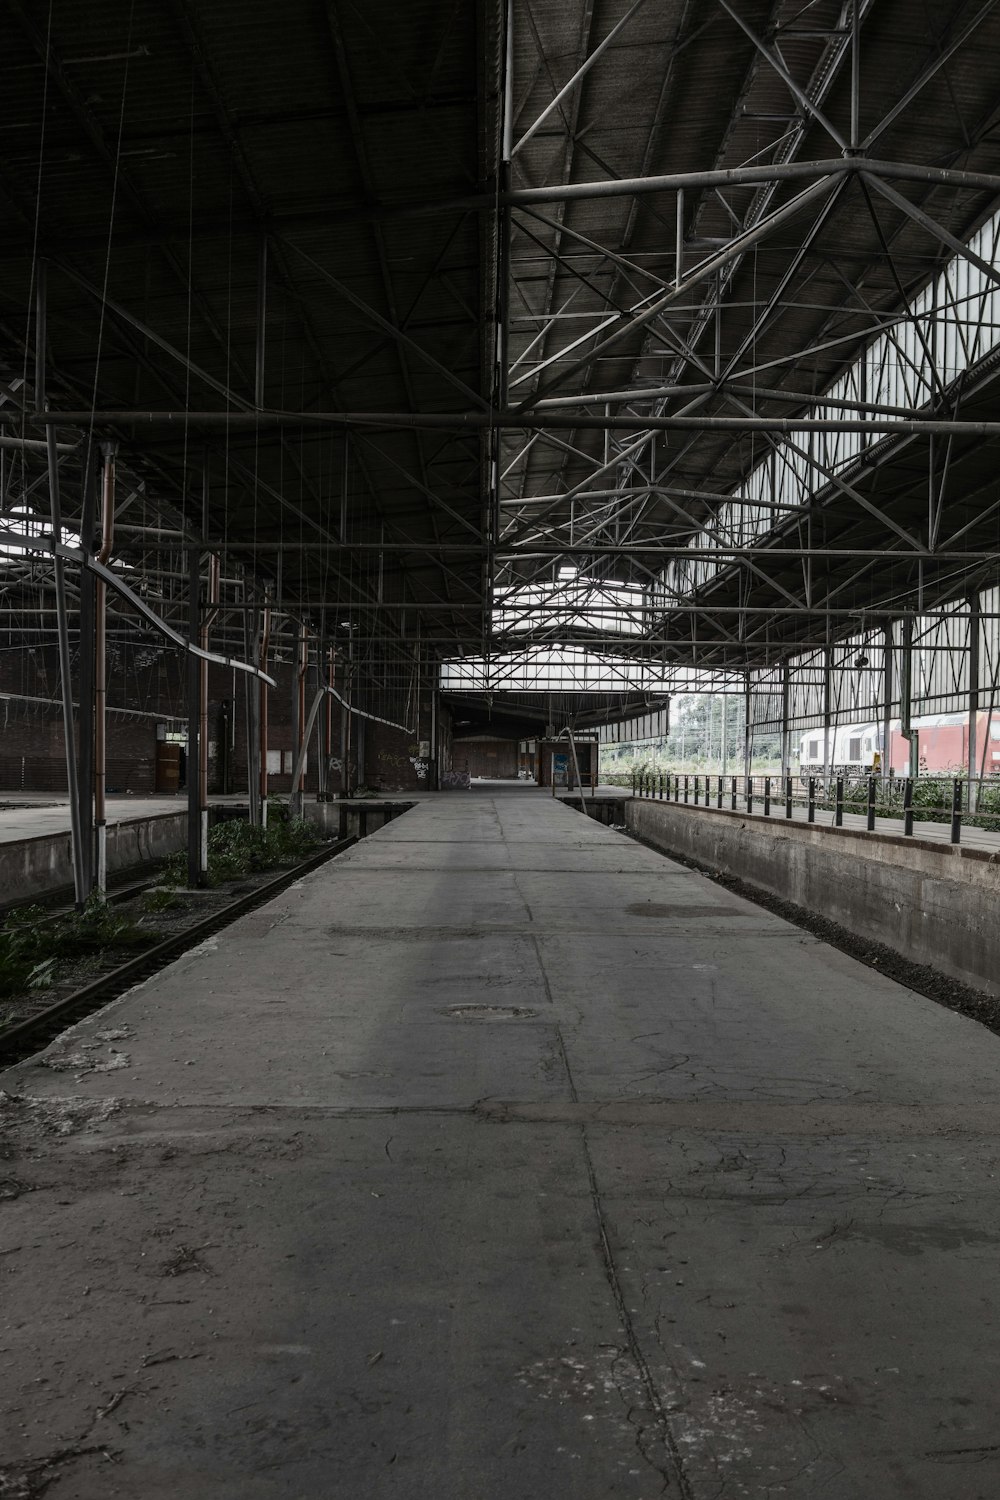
(953, 800)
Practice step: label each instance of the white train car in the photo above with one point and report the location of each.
(943, 741)
(853, 748)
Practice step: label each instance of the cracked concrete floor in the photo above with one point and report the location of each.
(504, 1160)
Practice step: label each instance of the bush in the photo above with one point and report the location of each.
(237, 848)
(31, 945)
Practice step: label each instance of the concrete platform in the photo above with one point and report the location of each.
(504, 1159)
(44, 815)
(971, 837)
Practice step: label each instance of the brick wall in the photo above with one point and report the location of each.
(148, 685)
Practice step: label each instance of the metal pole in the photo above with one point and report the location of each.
(786, 741)
(725, 734)
(855, 74)
(194, 868)
(265, 641)
(975, 607)
(299, 709)
(581, 71)
(261, 348)
(827, 714)
(85, 687)
(205, 624)
(62, 613)
(345, 726)
(887, 704)
(906, 702)
(326, 750)
(101, 669)
(251, 702)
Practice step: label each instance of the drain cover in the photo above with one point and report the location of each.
(488, 1012)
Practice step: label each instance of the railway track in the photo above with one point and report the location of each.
(22, 1038)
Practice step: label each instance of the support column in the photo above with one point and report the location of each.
(887, 700)
(786, 743)
(101, 670)
(251, 688)
(297, 789)
(975, 612)
(194, 869)
(345, 732)
(85, 686)
(59, 572)
(361, 733)
(906, 701)
(747, 730)
(206, 622)
(827, 714)
(265, 642)
(724, 748)
(328, 721)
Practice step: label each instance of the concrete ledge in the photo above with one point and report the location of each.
(354, 818)
(35, 867)
(935, 904)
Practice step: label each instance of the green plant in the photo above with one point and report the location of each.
(22, 948)
(42, 976)
(97, 927)
(160, 900)
(237, 848)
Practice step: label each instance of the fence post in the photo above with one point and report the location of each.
(838, 816)
(685, 789)
(697, 790)
(908, 807)
(749, 792)
(718, 793)
(788, 797)
(956, 810)
(732, 791)
(767, 796)
(871, 804)
(812, 799)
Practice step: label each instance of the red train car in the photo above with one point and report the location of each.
(943, 746)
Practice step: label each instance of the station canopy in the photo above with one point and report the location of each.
(607, 348)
